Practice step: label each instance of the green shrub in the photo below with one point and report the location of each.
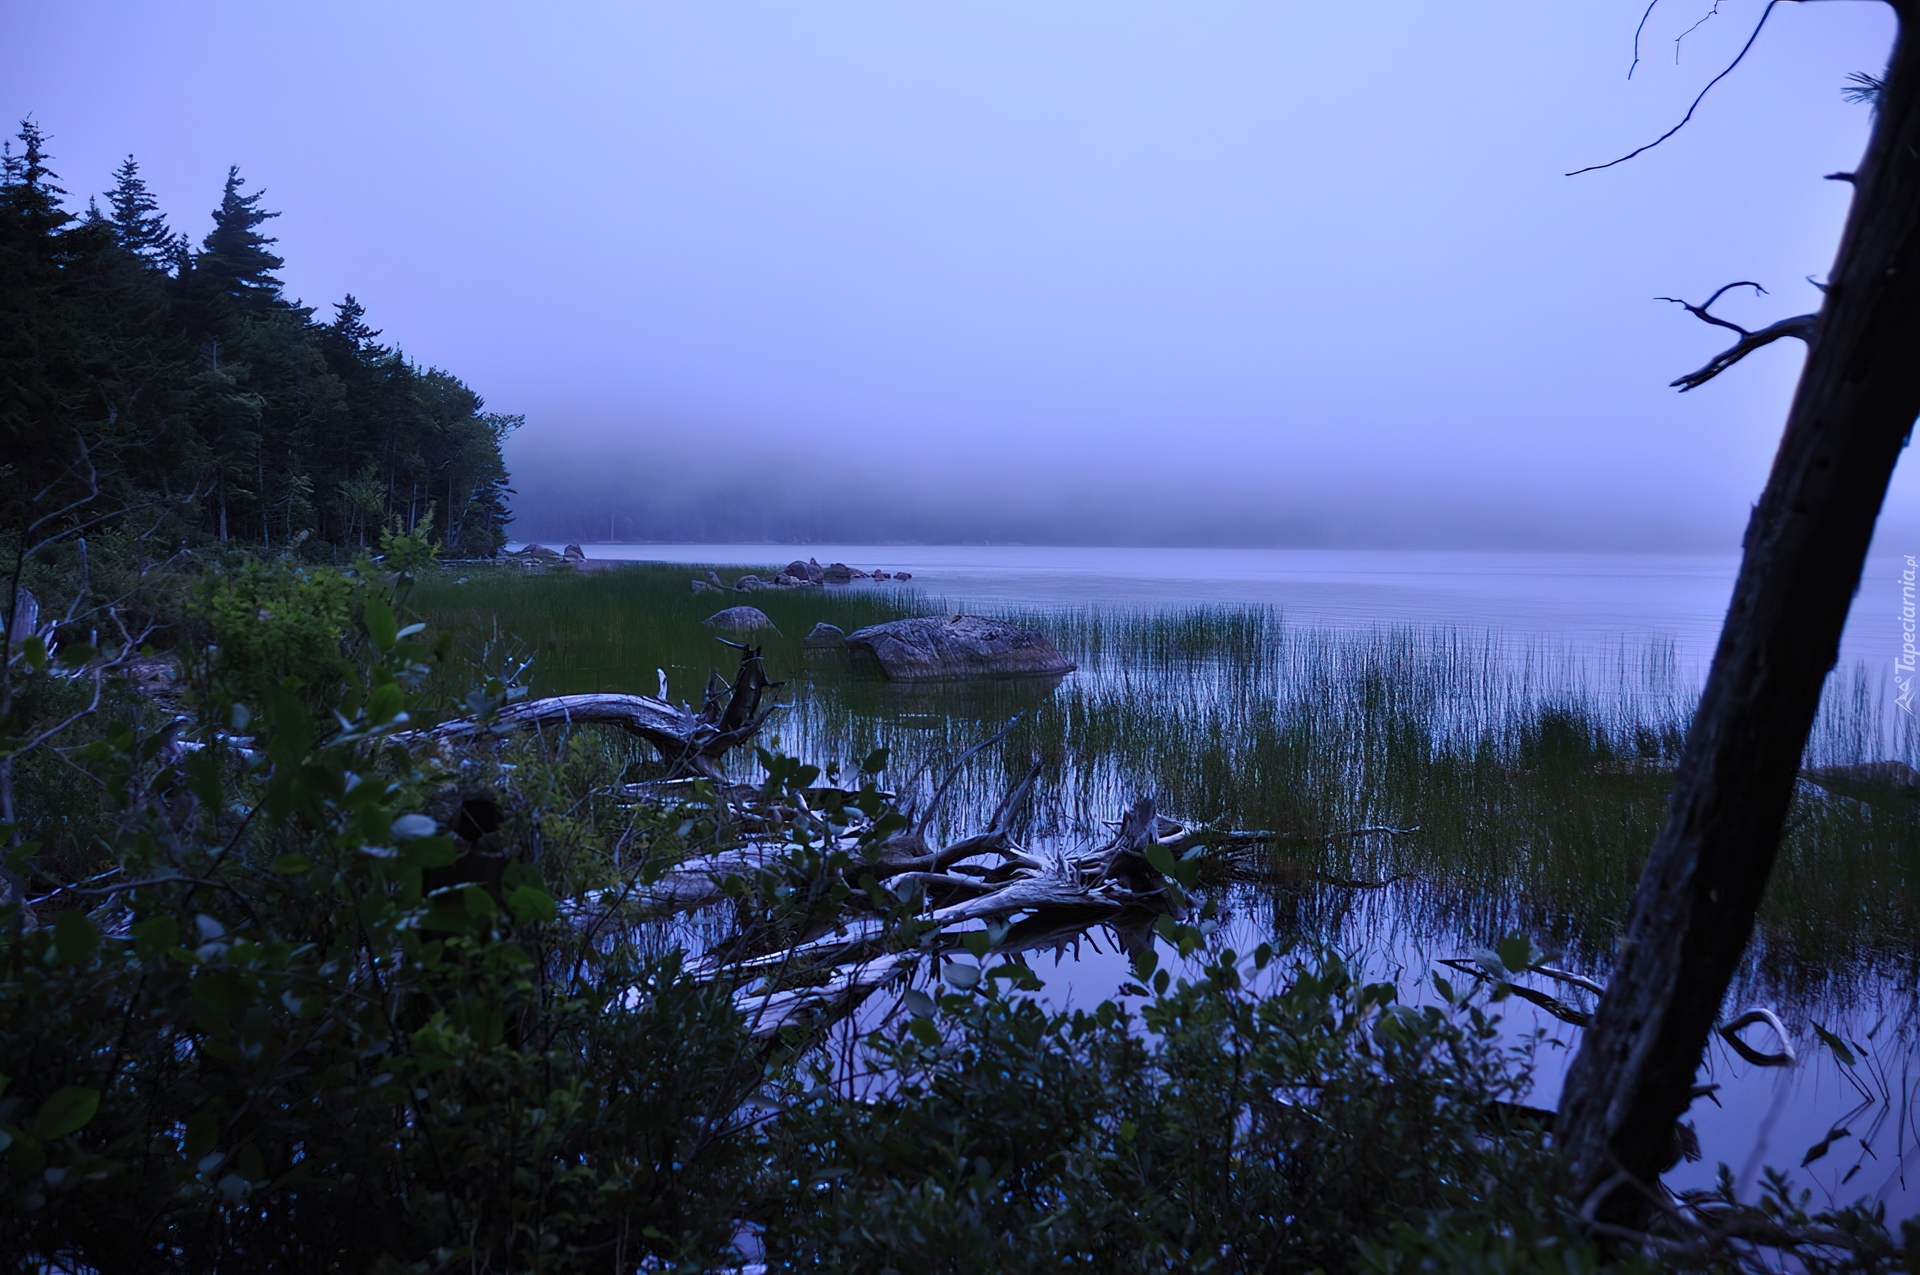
(267, 622)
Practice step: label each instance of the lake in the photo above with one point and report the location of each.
(1522, 710)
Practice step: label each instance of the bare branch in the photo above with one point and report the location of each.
(1803, 326)
(1700, 311)
(1757, 27)
(1636, 37)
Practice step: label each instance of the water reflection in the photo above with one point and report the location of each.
(1536, 776)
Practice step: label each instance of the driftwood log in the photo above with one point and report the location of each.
(691, 743)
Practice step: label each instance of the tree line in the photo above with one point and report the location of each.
(139, 370)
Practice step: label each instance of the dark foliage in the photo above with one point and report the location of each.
(188, 380)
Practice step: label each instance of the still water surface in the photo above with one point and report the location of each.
(1589, 612)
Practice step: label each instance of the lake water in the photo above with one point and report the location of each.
(1580, 598)
(1587, 608)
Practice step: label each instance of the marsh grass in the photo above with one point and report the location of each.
(1536, 773)
(610, 630)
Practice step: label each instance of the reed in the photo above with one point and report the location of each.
(1536, 773)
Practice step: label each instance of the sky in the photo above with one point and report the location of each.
(1069, 272)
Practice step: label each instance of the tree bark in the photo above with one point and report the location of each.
(1693, 913)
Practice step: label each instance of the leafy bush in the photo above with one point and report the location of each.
(268, 622)
(1220, 1128)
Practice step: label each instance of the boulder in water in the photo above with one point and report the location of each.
(921, 650)
(574, 553)
(739, 620)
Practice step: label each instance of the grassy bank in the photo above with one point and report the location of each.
(610, 630)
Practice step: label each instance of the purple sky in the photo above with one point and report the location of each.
(1267, 272)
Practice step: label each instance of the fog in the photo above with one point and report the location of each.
(1235, 273)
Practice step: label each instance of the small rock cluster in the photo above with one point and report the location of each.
(796, 575)
(535, 557)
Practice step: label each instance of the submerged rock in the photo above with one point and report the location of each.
(824, 636)
(928, 649)
(739, 620)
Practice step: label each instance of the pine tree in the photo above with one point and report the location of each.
(137, 220)
(349, 327)
(234, 259)
(29, 201)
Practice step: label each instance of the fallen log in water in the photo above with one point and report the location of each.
(988, 878)
(690, 743)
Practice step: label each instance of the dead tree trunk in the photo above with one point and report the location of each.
(690, 743)
(1693, 912)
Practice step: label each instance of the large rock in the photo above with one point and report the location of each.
(574, 553)
(824, 636)
(836, 573)
(739, 620)
(538, 551)
(929, 649)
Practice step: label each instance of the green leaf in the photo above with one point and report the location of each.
(382, 630)
(409, 827)
(448, 914)
(961, 976)
(479, 903)
(1161, 858)
(1516, 952)
(1839, 1048)
(976, 942)
(155, 935)
(291, 865)
(917, 1002)
(430, 852)
(875, 763)
(203, 779)
(75, 936)
(65, 1112)
(385, 703)
(511, 955)
(531, 903)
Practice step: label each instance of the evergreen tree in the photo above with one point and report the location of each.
(349, 327)
(234, 259)
(195, 385)
(28, 198)
(137, 220)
